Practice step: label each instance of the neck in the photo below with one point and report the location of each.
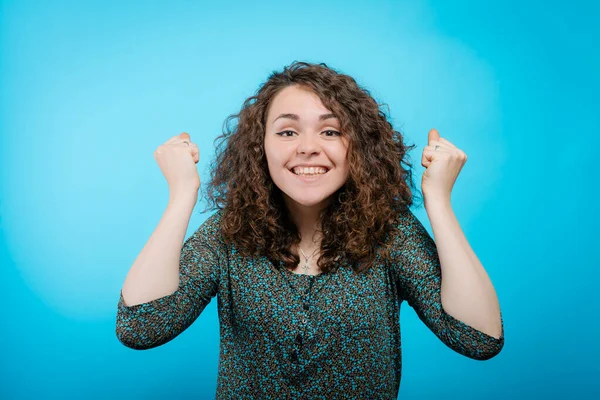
(306, 219)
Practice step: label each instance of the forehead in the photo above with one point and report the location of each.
(296, 100)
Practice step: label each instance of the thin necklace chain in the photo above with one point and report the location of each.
(306, 262)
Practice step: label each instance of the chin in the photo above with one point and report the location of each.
(307, 201)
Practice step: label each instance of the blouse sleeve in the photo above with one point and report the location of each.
(151, 324)
(419, 281)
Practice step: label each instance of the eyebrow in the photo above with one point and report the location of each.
(295, 117)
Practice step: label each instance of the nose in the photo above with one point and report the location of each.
(309, 143)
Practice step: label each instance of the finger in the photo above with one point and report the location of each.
(176, 139)
(195, 151)
(427, 156)
(193, 148)
(445, 148)
(433, 135)
(429, 153)
(177, 143)
(185, 136)
(439, 143)
(447, 143)
(440, 148)
(425, 160)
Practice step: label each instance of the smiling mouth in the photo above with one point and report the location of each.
(313, 177)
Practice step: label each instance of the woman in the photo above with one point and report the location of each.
(312, 249)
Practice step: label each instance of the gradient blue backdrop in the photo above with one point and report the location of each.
(90, 89)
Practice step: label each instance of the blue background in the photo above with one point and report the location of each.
(90, 89)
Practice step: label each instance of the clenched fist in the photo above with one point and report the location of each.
(177, 159)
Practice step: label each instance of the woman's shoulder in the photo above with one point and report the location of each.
(210, 229)
(406, 225)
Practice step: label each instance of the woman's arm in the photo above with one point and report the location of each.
(155, 271)
(467, 291)
(163, 317)
(419, 278)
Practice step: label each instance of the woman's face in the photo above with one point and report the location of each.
(301, 131)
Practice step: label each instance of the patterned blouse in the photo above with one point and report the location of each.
(293, 336)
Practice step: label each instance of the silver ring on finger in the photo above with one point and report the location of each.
(436, 146)
(186, 142)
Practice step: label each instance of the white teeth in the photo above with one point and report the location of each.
(309, 171)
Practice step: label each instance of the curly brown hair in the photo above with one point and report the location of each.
(364, 210)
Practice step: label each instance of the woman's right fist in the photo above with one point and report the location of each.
(177, 161)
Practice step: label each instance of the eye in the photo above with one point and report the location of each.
(329, 131)
(282, 133)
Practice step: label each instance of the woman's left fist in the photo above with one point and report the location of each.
(443, 162)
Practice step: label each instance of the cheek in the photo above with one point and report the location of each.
(271, 154)
(340, 161)
(275, 162)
